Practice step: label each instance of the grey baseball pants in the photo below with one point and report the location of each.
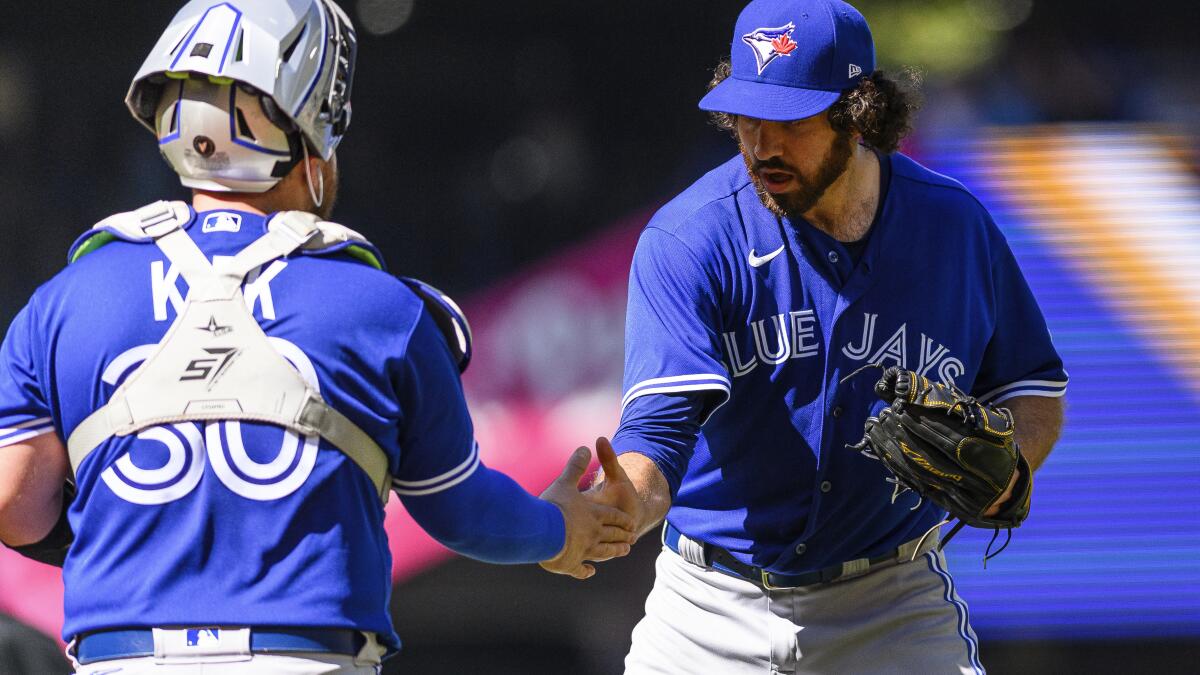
(898, 618)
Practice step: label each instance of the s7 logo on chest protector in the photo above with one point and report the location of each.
(218, 361)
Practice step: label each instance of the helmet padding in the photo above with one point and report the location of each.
(231, 65)
(218, 137)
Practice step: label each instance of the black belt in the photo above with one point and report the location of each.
(723, 561)
(125, 644)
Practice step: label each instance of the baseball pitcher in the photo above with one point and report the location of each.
(792, 543)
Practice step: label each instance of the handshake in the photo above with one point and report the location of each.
(602, 522)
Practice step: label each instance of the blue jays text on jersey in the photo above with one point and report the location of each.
(230, 523)
(742, 325)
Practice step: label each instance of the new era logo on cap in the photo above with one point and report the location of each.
(855, 71)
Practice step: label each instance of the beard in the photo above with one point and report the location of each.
(796, 203)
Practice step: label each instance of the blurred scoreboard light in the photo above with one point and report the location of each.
(1105, 221)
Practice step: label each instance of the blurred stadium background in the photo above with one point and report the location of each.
(510, 152)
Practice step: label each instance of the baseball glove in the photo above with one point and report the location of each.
(945, 446)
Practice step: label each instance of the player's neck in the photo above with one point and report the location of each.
(847, 208)
(287, 195)
(232, 201)
(207, 201)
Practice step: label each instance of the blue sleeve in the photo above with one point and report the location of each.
(664, 428)
(672, 346)
(1020, 358)
(490, 518)
(672, 323)
(467, 507)
(24, 411)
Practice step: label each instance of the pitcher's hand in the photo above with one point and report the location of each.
(596, 531)
(612, 486)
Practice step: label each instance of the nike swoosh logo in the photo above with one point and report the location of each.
(759, 261)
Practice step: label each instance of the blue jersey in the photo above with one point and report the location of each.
(247, 524)
(741, 326)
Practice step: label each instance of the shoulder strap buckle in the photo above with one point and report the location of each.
(296, 225)
(161, 218)
(149, 222)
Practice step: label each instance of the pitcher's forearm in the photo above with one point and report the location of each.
(1039, 421)
(653, 491)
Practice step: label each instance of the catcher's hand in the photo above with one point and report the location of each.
(946, 446)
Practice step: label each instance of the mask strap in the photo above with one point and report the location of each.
(317, 194)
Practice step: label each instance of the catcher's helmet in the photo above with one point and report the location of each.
(232, 89)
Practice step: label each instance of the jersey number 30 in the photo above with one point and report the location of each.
(219, 445)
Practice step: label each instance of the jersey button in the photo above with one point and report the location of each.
(833, 256)
(826, 486)
(801, 548)
(837, 411)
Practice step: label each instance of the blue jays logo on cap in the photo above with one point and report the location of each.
(806, 53)
(770, 43)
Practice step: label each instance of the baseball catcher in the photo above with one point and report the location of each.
(947, 447)
(196, 541)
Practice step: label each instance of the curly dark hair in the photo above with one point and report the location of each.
(879, 108)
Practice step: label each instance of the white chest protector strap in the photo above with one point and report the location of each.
(215, 362)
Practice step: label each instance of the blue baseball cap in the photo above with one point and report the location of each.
(792, 59)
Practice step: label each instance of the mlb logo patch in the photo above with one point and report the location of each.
(769, 44)
(203, 637)
(221, 222)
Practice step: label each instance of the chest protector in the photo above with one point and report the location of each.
(215, 362)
